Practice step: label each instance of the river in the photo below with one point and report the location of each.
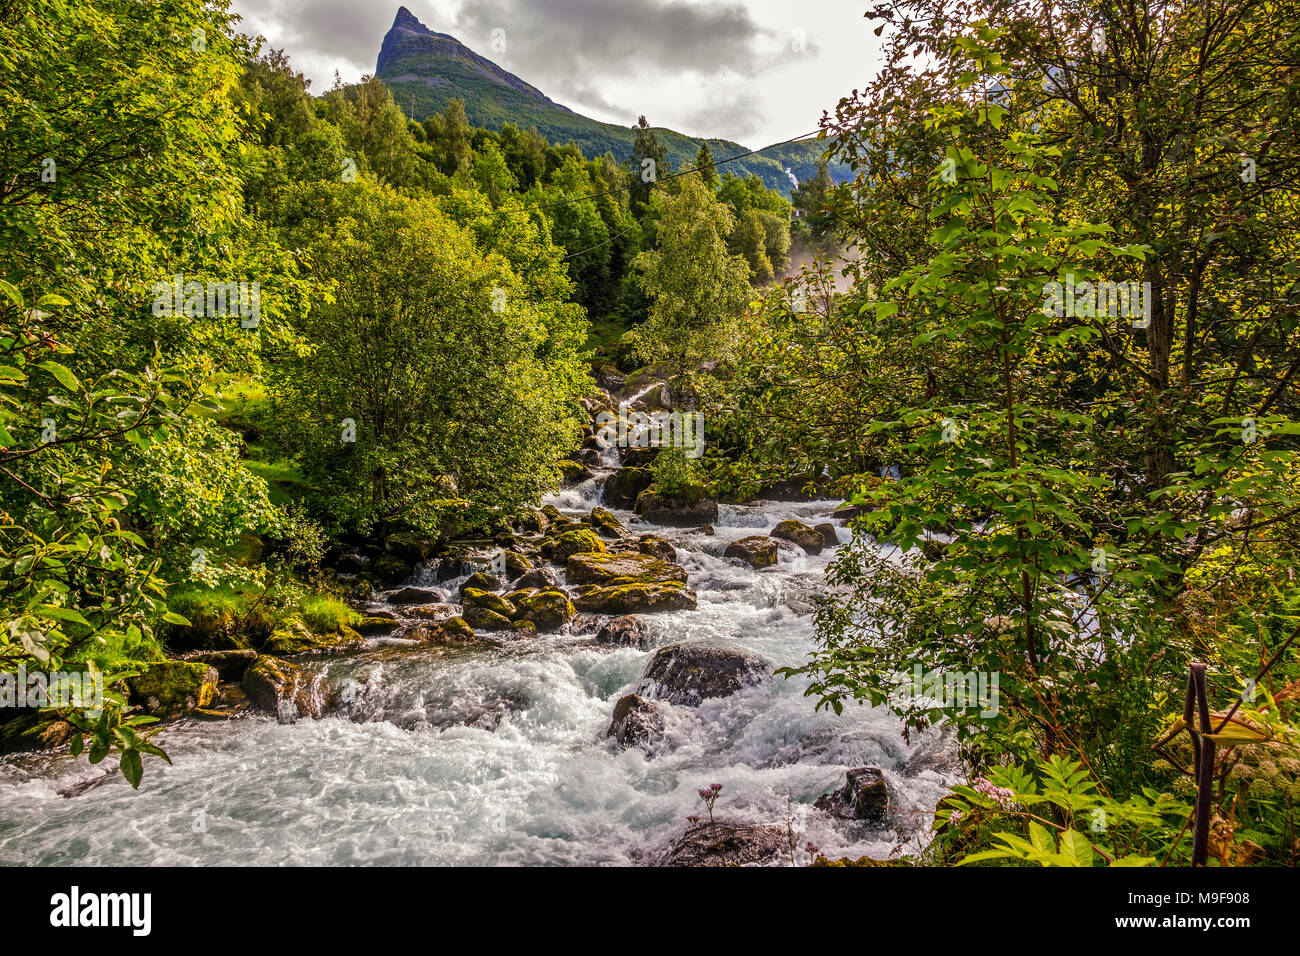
(498, 755)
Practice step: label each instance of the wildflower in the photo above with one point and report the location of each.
(999, 795)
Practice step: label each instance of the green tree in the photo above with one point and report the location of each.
(697, 288)
(431, 356)
(649, 165)
(705, 164)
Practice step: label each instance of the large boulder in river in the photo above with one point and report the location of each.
(538, 579)
(864, 796)
(656, 547)
(578, 541)
(295, 638)
(283, 689)
(454, 631)
(622, 487)
(799, 533)
(545, 610)
(573, 472)
(229, 665)
(485, 611)
(493, 602)
(410, 546)
(757, 550)
(377, 623)
(691, 673)
(635, 721)
(174, 688)
(727, 844)
(624, 567)
(830, 534)
(686, 511)
(603, 520)
(482, 580)
(625, 631)
(414, 595)
(634, 598)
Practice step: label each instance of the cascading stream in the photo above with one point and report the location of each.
(498, 754)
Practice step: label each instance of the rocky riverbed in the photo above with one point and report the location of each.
(558, 695)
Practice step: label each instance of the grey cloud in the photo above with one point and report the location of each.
(339, 30)
(566, 47)
(641, 36)
(728, 114)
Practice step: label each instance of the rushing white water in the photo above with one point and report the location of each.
(499, 755)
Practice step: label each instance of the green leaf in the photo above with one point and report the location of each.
(132, 768)
(1075, 846)
(62, 374)
(11, 293)
(1040, 838)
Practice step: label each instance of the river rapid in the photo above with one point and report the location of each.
(497, 755)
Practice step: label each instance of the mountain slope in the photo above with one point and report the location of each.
(426, 70)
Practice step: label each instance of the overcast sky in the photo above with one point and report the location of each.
(753, 71)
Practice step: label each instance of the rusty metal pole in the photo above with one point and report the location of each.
(1204, 748)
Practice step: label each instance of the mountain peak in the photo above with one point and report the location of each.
(440, 66)
(405, 18)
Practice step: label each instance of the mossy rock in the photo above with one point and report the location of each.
(481, 581)
(684, 510)
(573, 472)
(630, 567)
(580, 540)
(756, 550)
(454, 630)
(524, 627)
(517, 565)
(432, 612)
(295, 638)
(625, 484)
(230, 665)
(390, 570)
(410, 546)
(488, 601)
(222, 629)
(546, 610)
(482, 619)
(34, 731)
(635, 598)
(534, 521)
(174, 688)
(606, 524)
(281, 688)
(518, 594)
(799, 533)
(552, 513)
(377, 624)
(656, 547)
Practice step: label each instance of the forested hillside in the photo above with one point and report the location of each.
(427, 71)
